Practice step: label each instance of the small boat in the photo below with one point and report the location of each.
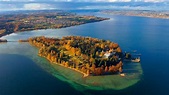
(134, 51)
(122, 75)
(137, 60)
(3, 40)
(137, 54)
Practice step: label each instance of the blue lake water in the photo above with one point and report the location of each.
(20, 76)
(149, 36)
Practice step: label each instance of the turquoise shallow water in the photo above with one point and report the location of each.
(148, 36)
(114, 82)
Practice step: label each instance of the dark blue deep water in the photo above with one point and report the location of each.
(21, 76)
(149, 36)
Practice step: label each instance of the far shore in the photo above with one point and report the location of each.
(139, 13)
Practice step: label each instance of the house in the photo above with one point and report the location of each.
(107, 54)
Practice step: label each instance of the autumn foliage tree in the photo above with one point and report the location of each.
(82, 53)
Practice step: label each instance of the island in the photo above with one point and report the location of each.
(89, 56)
(35, 20)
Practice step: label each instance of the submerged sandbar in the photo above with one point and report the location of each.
(133, 71)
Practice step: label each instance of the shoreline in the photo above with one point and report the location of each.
(2, 35)
(84, 75)
(43, 20)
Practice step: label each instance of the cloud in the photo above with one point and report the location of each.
(84, 0)
(9, 6)
(17, 0)
(154, 0)
(37, 6)
(82, 4)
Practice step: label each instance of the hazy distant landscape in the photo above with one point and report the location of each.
(34, 20)
(141, 13)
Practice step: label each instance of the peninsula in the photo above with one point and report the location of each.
(89, 56)
(25, 21)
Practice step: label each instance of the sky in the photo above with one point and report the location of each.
(8, 5)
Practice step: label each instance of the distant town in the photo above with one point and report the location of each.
(19, 22)
(141, 13)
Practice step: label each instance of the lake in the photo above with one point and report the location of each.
(149, 36)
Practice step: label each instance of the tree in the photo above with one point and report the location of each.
(49, 56)
(78, 52)
(53, 58)
(66, 64)
(61, 55)
(91, 60)
(119, 49)
(67, 47)
(87, 66)
(102, 45)
(88, 72)
(111, 46)
(97, 53)
(83, 69)
(106, 69)
(115, 45)
(93, 67)
(73, 50)
(98, 71)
